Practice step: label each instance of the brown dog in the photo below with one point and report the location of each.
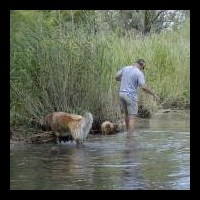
(107, 127)
(65, 124)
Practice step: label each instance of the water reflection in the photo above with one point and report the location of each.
(154, 158)
(130, 177)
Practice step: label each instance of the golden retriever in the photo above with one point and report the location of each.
(107, 127)
(65, 124)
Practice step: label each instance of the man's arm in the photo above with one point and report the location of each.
(147, 90)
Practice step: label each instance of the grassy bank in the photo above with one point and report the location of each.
(58, 68)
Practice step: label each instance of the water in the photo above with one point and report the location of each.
(157, 157)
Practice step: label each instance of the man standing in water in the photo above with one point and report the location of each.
(131, 78)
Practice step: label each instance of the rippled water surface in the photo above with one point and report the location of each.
(156, 157)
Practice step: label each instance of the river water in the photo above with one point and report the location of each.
(156, 157)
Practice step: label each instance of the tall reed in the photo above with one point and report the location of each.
(54, 68)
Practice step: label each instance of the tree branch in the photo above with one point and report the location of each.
(157, 15)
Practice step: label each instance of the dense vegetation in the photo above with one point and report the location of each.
(67, 60)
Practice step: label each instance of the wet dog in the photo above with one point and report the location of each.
(76, 127)
(107, 127)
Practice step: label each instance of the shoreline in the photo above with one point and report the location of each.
(18, 133)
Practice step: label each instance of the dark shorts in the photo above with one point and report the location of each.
(128, 106)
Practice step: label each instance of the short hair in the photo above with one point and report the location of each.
(140, 61)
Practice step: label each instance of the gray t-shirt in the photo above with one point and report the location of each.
(131, 79)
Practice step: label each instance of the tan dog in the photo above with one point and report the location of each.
(65, 124)
(107, 127)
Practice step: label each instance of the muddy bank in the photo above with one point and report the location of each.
(21, 134)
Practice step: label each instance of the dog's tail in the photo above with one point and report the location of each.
(84, 127)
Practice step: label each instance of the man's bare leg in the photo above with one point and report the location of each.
(127, 122)
(131, 124)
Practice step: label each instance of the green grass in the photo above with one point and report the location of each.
(56, 69)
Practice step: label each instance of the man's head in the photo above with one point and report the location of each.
(142, 64)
